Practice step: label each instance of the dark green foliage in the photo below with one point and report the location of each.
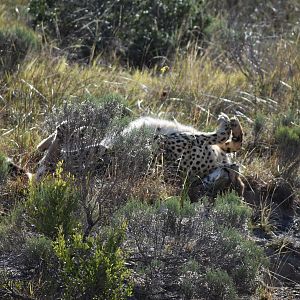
(4, 168)
(53, 203)
(137, 31)
(10, 234)
(15, 43)
(92, 268)
(43, 10)
(288, 141)
(221, 260)
(242, 258)
(37, 252)
(144, 32)
(288, 138)
(258, 126)
(220, 285)
(230, 211)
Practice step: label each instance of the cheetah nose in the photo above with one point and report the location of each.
(237, 139)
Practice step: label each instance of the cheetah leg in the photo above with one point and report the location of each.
(53, 155)
(45, 144)
(49, 161)
(235, 179)
(60, 132)
(220, 136)
(235, 142)
(15, 170)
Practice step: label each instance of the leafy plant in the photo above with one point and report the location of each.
(15, 43)
(231, 211)
(53, 203)
(288, 139)
(12, 237)
(164, 234)
(93, 268)
(3, 168)
(258, 126)
(242, 258)
(220, 285)
(38, 251)
(139, 31)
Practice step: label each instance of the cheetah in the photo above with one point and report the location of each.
(183, 149)
(198, 153)
(56, 148)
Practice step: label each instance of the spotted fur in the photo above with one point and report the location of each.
(182, 148)
(190, 151)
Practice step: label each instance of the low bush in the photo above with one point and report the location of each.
(97, 113)
(15, 44)
(221, 259)
(258, 127)
(138, 32)
(220, 285)
(37, 252)
(11, 235)
(70, 267)
(288, 141)
(106, 179)
(4, 168)
(231, 212)
(93, 268)
(53, 203)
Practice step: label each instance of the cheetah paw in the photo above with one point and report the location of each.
(237, 130)
(224, 122)
(223, 118)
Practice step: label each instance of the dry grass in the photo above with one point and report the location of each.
(194, 90)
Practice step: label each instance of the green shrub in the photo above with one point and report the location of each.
(31, 254)
(231, 211)
(4, 168)
(37, 251)
(177, 207)
(241, 257)
(220, 285)
(258, 126)
(11, 235)
(137, 31)
(288, 139)
(289, 118)
(92, 268)
(15, 43)
(190, 279)
(53, 203)
(162, 236)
